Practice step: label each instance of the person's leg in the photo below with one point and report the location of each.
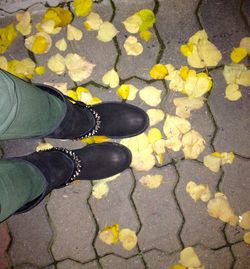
(20, 183)
(25, 110)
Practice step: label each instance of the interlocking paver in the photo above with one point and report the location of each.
(101, 54)
(234, 233)
(232, 118)
(241, 252)
(31, 234)
(116, 207)
(72, 223)
(112, 261)
(246, 10)
(4, 244)
(134, 65)
(159, 214)
(76, 265)
(197, 220)
(224, 25)
(176, 22)
(26, 266)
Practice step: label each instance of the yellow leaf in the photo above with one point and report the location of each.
(111, 78)
(143, 160)
(49, 27)
(60, 16)
(244, 220)
(219, 207)
(12, 66)
(25, 67)
(133, 23)
(171, 71)
(40, 70)
(146, 35)
(158, 71)
(93, 22)
(227, 157)
(177, 266)
(74, 33)
(193, 145)
(128, 239)
(78, 67)
(39, 43)
(100, 190)
(175, 126)
(154, 134)
(132, 92)
(244, 78)
(233, 72)
(23, 26)
(3, 63)
(148, 19)
(132, 46)
(72, 94)
(95, 139)
(82, 7)
(151, 181)
(159, 146)
(155, 116)
(232, 92)
(110, 234)
(106, 32)
(61, 44)
(150, 95)
(43, 146)
(187, 49)
(173, 143)
(198, 191)
(184, 105)
(123, 91)
(246, 238)
(61, 86)
(184, 72)
(95, 100)
(189, 258)
(7, 36)
(213, 163)
(245, 43)
(238, 54)
(56, 63)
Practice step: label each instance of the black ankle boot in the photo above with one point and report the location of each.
(112, 119)
(60, 166)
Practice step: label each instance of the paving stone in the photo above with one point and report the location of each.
(232, 118)
(72, 222)
(157, 259)
(226, 15)
(4, 244)
(241, 252)
(234, 233)
(116, 207)
(158, 213)
(102, 54)
(197, 221)
(134, 65)
(112, 261)
(76, 265)
(31, 235)
(174, 30)
(50, 267)
(18, 147)
(246, 10)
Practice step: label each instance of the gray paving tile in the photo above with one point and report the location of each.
(232, 118)
(112, 261)
(134, 65)
(241, 253)
(66, 264)
(246, 10)
(223, 22)
(25, 266)
(159, 214)
(72, 222)
(234, 233)
(197, 220)
(174, 30)
(116, 207)
(31, 234)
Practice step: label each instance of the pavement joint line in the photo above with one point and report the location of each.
(21, 9)
(119, 53)
(217, 187)
(113, 12)
(97, 227)
(216, 127)
(156, 6)
(178, 205)
(226, 246)
(197, 14)
(148, 81)
(131, 198)
(93, 83)
(243, 16)
(246, 158)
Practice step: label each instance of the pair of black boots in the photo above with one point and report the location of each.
(95, 161)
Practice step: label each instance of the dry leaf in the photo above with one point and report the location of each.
(189, 258)
(23, 26)
(132, 46)
(61, 44)
(111, 78)
(73, 33)
(39, 43)
(56, 63)
(184, 105)
(233, 92)
(43, 146)
(128, 239)
(158, 71)
(213, 163)
(246, 238)
(245, 43)
(244, 220)
(93, 22)
(155, 116)
(198, 191)
(107, 32)
(133, 23)
(100, 190)
(110, 234)
(151, 181)
(154, 134)
(150, 95)
(173, 143)
(238, 54)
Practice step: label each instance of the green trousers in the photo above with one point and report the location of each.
(25, 111)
